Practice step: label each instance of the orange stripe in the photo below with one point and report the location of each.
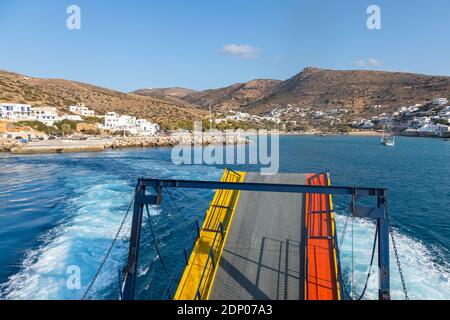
(321, 276)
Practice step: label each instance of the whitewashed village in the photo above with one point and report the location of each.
(25, 129)
(15, 117)
(431, 119)
(420, 120)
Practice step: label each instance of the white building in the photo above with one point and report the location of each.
(272, 119)
(239, 116)
(445, 113)
(367, 125)
(220, 120)
(440, 101)
(115, 122)
(71, 117)
(434, 129)
(420, 122)
(145, 127)
(111, 119)
(15, 111)
(82, 110)
(318, 114)
(47, 115)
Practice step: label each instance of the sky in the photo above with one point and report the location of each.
(202, 44)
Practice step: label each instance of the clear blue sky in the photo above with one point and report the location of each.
(126, 45)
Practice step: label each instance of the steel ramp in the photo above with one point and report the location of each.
(262, 258)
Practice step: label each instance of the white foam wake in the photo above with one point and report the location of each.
(426, 277)
(81, 240)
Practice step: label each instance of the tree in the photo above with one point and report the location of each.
(66, 129)
(344, 129)
(444, 122)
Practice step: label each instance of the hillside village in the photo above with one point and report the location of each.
(429, 120)
(25, 122)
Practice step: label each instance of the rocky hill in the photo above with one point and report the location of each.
(62, 93)
(357, 90)
(175, 92)
(232, 97)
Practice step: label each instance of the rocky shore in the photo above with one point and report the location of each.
(95, 145)
(7, 144)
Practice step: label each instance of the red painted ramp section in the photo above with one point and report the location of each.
(321, 262)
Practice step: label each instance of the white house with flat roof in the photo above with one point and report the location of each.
(82, 110)
(434, 129)
(440, 101)
(15, 111)
(147, 128)
(47, 115)
(115, 122)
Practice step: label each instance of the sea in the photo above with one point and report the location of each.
(60, 213)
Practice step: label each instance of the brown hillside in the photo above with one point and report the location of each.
(234, 96)
(357, 90)
(62, 93)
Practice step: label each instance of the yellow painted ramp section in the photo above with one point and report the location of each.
(199, 275)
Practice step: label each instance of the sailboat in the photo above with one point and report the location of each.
(387, 139)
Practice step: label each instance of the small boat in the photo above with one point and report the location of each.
(387, 139)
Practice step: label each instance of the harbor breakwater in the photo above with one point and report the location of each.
(96, 145)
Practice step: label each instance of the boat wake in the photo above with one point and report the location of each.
(426, 276)
(80, 242)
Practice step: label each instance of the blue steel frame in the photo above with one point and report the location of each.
(380, 214)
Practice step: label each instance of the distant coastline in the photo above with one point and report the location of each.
(353, 133)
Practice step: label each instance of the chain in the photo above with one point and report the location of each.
(155, 240)
(344, 232)
(394, 245)
(350, 294)
(108, 253)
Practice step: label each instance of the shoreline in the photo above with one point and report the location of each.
(353, 133)
(102, 144)
(98, 145)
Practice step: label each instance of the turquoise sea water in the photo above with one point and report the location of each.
(58, 211)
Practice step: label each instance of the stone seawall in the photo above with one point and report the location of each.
(172, 141)
(70, 146)
(7, 144)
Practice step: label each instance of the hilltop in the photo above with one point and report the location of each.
(62, 93)
(231, 97)
(358, 90)
(321, 89)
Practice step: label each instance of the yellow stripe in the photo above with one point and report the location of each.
(187, 289)
(226, 235)
(333, 232)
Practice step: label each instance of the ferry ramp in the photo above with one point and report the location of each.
(257, 245)
(262, 256)
(263, 237)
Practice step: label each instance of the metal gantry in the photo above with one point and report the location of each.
(378, 213)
